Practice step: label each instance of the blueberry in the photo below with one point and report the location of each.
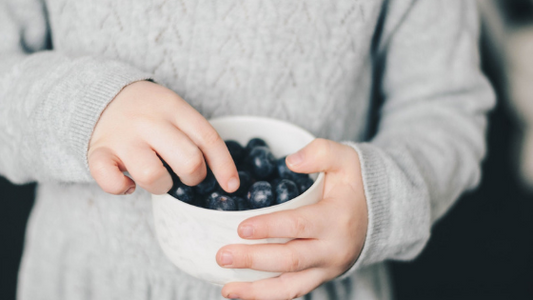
(223, 202)
(246, 181)
(285, 191)
(242, 203)
(182, 192)
(255, 142)
(210, 198)
(260, 195)
(283, 171)
(304, 183)
(236, 150)
(265, 181)
(262, 162)
(245, 166)
(274, 182)
(208, 185)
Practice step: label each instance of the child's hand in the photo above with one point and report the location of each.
(328, 235)
(146, 120)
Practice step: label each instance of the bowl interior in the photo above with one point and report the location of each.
(282, 137)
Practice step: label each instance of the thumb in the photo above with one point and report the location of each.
(320, 155)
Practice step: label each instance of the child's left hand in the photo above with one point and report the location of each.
(328, 236)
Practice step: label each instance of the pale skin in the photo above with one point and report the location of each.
(146, 120)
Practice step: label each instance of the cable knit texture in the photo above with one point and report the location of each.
(318, 64)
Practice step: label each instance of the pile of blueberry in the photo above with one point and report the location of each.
(265, 181)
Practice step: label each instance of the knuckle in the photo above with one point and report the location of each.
(150, 175)
(346, 254)
(248, 260)
(210, 138)
(193, 163)
(289, 288)
(100, 174)
(345, 222)
(324, 147)
(345, 259)
(289, 295)
(112, 189)
(321, 143)
(165, 186)
(293, 295)
(300, 227)
(294, 263)
(98, 169)
(144, 124)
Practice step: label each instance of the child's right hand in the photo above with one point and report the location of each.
(146, 120)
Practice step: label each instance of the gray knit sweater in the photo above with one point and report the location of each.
(319, 64)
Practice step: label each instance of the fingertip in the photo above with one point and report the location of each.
(225, 259)
(122, 186)
(130, 190)
(233, 184)
(294, 160)
(224, 291)
(227, 176)
(218, 257)
(246, 231)
(228, 293)
(219, 159)
(195, 178)
(232, 296)
(320, 155)
(128, 184)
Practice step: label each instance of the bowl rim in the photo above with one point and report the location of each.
(259, 118)
(277, 207)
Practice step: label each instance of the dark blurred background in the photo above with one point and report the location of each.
(482, 249)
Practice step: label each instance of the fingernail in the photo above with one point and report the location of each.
(247, 231)
(130, 191)
(233, 184)
(232, 296)
(295, 158)
(226, 259)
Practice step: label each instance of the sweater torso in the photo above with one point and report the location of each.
(307, 62)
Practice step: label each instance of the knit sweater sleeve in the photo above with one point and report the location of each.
(49, 102)
(430, 137)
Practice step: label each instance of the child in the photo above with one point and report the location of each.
(90, 89)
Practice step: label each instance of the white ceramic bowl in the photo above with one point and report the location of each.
(191, 236)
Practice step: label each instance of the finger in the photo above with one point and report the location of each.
(320, 155)
(296, 255)
(305, 222)
(106, 168)
(183, 156)
(217, 155)
(147, 170)
(285, 286)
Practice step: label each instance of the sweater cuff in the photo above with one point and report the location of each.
(111, 77)
(376, 189)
